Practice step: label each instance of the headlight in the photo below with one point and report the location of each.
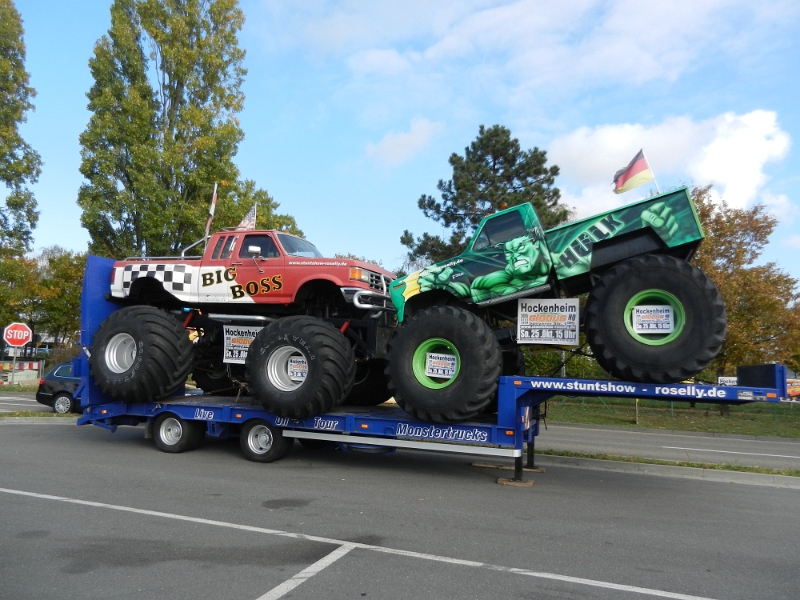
(359, 274)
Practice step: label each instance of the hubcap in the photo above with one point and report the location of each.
(61, 405)
(655, 299)
(449, 363)
(171, 431)
(260, 439)
(120, 353)
(287, 368)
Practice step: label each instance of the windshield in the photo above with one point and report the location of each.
(295, 246)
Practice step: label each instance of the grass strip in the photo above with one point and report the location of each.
(33, 413)
(673, 463)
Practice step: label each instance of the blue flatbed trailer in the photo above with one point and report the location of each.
(506, 434)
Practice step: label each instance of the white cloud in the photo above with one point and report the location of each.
(378, 62)
(729, 151)
(793, 241)
(397, 148)
(528, 44)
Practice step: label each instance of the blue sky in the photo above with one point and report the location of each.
(353, 107)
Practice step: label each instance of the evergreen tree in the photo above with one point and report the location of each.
(20, 164)
(493, 174)
(163, 128)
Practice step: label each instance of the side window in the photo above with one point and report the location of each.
(65, 371)
(226, 251)
(500, 229)
(264, 242)
(218, 247)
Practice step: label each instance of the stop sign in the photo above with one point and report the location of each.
(17, 334)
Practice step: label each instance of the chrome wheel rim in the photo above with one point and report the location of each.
(259, 439)
(62, 405)
(171, 431)
(278, 368)
(120, 353)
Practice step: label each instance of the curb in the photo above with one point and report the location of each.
(735, 436)
(38, 421)
(718, 475)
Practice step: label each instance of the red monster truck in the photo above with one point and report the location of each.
(264, 310)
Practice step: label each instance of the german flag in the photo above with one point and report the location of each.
(635, 174)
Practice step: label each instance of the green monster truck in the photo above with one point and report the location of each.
(457, 318)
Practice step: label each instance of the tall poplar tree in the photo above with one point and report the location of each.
(163, 129)
(20, 164)
(494, 173)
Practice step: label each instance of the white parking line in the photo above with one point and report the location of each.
(345, 546)
(730, 452)
(308, 572)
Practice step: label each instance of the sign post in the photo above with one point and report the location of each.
(16, 335)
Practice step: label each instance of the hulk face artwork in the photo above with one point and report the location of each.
(524, 265)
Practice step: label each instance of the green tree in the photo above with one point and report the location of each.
(163, 129)
(761, 300)
(20, 164)
(60, 284)
(493, 174)
(18, 283)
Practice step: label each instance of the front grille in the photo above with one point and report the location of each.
(379, 282)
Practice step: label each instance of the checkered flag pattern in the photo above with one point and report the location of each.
(176, 278)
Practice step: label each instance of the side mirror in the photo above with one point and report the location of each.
(254, 250)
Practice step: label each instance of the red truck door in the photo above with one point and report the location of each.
(260, 273)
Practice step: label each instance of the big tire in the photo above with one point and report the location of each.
(370, 386)
(173, 434)
(698, 322)
(140, 354)
(262, 442)
(465, 380)
(300, 366)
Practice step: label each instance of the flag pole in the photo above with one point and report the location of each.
(211, 211)
(658, 191)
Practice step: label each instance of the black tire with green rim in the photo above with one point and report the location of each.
(469, 349)
(370, 386)
(698, 325)
(300, 366)
(262, 442)
(173, 435)
(140, 354)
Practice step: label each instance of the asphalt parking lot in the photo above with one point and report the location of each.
(89, 514)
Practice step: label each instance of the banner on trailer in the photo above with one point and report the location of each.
(729, 381)
(548, 321)
(793, 389)
(237, 341)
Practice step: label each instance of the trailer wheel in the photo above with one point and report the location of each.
(140, 353)
(173, 434)
(371, 387)
(262, 442)
(698, 327)
(300, 366)
(468, 348)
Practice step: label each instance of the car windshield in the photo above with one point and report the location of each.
(500, 229)
(295, 246)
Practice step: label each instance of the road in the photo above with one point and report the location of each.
(14, 401)
(89, 514)
(779, 453)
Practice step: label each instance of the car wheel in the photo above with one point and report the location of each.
(62, 404)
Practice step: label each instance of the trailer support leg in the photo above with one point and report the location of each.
(518, 468)
(530, 464)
